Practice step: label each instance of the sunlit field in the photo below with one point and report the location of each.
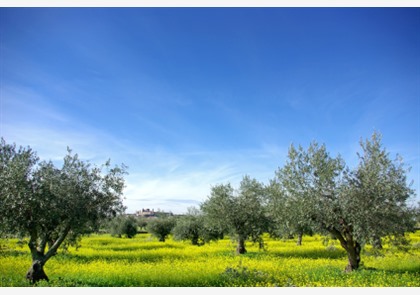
(105, 261)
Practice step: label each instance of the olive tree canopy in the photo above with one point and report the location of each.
(241, 214)
(377, 195)
(192, 226)
(51, 205)
(287, 213)
(161, 227)
(355, 206)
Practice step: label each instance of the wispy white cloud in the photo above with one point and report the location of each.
(166, 191)
(190, 182)
(158, 177)
(25, 104)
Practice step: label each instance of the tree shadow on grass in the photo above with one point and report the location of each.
(78, 258)
(146, 247)
(409, 269)
(311, 254)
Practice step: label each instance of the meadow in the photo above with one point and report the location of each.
(105, 261)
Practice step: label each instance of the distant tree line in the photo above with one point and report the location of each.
(313, 192)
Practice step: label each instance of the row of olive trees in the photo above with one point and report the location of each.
(314, 192)
(186, 227)
(128, 226)
(192, 227)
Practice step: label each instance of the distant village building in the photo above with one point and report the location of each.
(146, 213)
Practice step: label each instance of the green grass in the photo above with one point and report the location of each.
(104, 261)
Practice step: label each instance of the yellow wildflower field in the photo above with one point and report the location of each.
(105, 261)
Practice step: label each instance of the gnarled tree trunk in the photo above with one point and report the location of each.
(36, 272)
(353, 254)
(299, 240)
(351, 246)
(240, 249)
(39, 257)
(194, 240)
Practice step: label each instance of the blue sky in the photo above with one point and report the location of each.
(191, 97)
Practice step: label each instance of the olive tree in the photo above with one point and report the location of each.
(241, 213)
(312, 178)
(123, 225)
(352, 206)
(142, 223)
(192, 226)
(161, 227)
(377, 195)
(287, 214)
(188, 227)
(54, 206)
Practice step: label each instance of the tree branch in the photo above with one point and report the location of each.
(43, 243)
(33, 242)
(336, 233)
(53, 250)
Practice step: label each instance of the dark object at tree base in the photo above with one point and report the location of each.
(36, 273)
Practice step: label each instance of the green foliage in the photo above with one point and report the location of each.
(161, 227)
(241, 214)
(242, 276)
(375, 196)
(356, 206)
(192, 227)
(304, 193)
(287, 214)
(123, 225)
(142, 222)
(189, 227)
(54, 206)
(16, 190)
